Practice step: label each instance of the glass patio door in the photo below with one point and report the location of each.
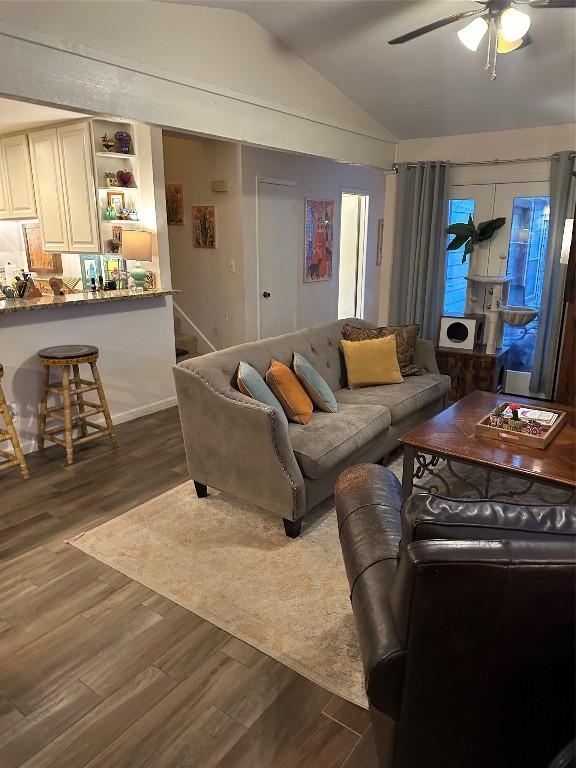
(476, 200)
(519, 251)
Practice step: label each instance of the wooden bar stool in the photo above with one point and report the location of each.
(7, 459)
(71, 390)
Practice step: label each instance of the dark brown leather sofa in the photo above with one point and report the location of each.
(465, 612)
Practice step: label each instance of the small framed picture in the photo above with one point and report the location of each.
(116, 200)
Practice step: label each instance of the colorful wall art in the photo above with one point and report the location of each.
(174, 204)
(318, 246)
(203, 221)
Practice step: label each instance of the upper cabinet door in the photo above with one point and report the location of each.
(19, 176)
(79, 188)
(47, 176)
(5, 206)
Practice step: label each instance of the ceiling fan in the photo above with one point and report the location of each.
(507, 27)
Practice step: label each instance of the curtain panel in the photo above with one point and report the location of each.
(562, 184)
(419, 266)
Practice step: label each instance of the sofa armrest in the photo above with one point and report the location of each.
(426, 516)
(238, 445)
(368, 502)
(425, 355)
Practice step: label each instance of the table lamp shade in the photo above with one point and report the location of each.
(137, 245)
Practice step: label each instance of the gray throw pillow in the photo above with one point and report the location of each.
(319, 391)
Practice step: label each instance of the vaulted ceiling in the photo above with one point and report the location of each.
(431, 86)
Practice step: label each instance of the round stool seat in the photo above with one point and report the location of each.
(68, 352)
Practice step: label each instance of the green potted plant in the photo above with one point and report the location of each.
(468, 235)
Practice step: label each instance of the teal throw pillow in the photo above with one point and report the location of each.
(319, 391)
(252, 384)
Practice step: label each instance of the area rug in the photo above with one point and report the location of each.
(231, 564)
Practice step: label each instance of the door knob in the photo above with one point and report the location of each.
(266, 295)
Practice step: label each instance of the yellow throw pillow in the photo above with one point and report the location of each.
(292, 395)
(371, 362)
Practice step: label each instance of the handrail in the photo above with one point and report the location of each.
(193, 324)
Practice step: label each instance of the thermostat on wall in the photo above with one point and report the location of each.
(220, 185)
(462, 332)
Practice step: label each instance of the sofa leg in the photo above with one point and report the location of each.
(201, 490)
(292, 527)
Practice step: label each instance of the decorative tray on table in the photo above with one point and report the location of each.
(521, 425)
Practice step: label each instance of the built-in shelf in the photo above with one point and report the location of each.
(121, 221)
(117, 189)
(115, 154)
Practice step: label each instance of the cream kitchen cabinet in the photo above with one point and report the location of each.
(16, 188)
(65, 191)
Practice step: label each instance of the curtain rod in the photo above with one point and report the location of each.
(490, 162)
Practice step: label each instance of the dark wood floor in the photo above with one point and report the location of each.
(97, 670)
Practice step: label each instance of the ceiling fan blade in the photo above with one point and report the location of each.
(435, 25)
(552, 4)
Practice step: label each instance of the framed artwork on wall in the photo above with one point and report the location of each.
(204, 223)
(38, 260)
(174, 204)
(319, 239)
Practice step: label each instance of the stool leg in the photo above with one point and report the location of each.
(80, 400)
(104, 404)
(5, 411)
(43, 406)
(67, 414)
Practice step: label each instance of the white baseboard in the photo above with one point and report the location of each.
(144, 410)
(29, 446)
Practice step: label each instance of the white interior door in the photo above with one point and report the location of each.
(278, 249)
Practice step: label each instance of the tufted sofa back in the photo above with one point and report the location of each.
(320, 345)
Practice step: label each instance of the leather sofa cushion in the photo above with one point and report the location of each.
(401, 399)
(433, 517)
(330, 438)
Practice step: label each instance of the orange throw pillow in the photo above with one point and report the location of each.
(292, 395)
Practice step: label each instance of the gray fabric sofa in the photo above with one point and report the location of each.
(238, 445)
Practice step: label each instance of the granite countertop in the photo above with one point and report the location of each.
(77, 299)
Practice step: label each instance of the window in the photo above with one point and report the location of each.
(455, 293)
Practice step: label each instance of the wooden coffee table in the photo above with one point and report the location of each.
(450, 435)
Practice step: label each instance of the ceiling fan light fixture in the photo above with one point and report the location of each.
(503, 46)
(472, 34)
(514, 25)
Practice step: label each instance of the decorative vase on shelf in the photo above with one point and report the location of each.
(110, 213)
(124, 141)
(125, 177)
(138, 274)
(107, 142)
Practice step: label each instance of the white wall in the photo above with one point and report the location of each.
(136, 356)
(487, 148)
(209, 291)
(315, 177)
(206, 70)
(12, 248)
